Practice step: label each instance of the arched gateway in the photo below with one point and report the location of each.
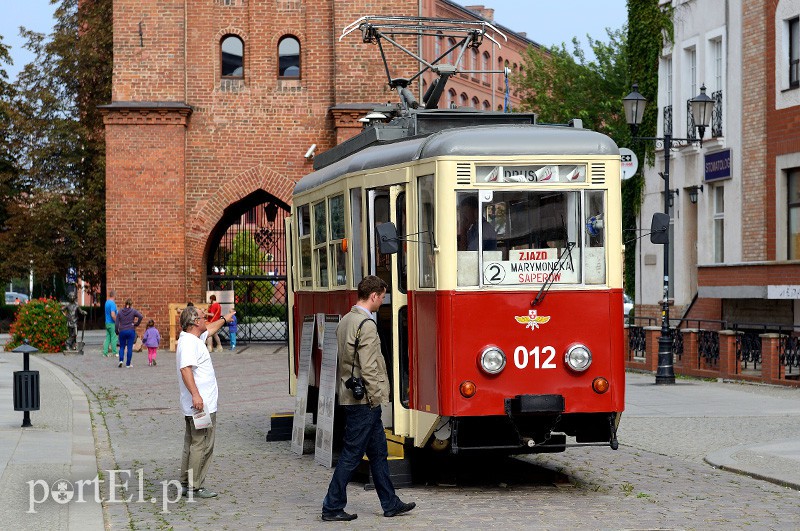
(247, 266)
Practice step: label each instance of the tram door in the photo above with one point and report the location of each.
(384, 205)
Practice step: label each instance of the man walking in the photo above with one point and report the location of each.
(364, 427)
(198, 389)
(111, 319)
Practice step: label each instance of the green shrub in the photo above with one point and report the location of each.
(42, 323)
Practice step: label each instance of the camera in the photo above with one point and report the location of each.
(356, 386)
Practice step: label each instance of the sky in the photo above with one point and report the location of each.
(547, 22)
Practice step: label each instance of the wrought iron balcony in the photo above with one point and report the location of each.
(690, 129)
(716, 115)
(668, 120)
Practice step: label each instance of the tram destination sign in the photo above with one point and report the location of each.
(539, 173)
(531, 266)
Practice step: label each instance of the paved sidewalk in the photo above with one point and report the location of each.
(751, 429)
(59, 446)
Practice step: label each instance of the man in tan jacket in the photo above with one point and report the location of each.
(363, 431)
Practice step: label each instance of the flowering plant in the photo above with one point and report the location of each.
(42, 323)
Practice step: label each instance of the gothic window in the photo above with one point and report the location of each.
(289, 58)
(232, 49)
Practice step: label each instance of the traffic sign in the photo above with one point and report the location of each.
(629, 163)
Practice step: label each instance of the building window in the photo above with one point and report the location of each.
(485, 75)
(451, 99)
(668, 71)
(289, 58)
(464, 100)
(794, 214)
(232, 49)
(453, 54)
(486, 105)
(437, 45)
(794, 52)
(719, 223)
(476, 103)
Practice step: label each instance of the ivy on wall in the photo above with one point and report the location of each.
(649, 28)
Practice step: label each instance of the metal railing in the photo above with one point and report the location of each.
(749, 346)
(716, 114)
(668, 120)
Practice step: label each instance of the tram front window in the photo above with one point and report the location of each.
(520, 235)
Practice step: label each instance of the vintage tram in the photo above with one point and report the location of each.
(500, 239)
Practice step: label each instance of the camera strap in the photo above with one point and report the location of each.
(355, 346)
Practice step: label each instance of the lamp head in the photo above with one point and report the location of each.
(634, 104)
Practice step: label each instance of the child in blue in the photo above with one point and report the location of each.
(232, 326)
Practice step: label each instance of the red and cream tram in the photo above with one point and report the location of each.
(501, 242)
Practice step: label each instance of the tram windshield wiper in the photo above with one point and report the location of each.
(552, 275)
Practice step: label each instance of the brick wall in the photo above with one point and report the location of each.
(171, 173)
(783, 134)
(755, 176)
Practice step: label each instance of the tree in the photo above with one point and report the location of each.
(243, 260)
(58, 137)
(562, 85)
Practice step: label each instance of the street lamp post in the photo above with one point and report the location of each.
(702, 106)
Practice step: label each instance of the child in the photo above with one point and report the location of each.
(151, 340)
(232, 326)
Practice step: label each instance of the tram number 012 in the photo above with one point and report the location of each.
(522, 357)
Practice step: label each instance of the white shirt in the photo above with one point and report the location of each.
(192, 352)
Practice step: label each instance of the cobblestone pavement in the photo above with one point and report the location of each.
(661, 483)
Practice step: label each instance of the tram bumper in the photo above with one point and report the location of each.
(534, 404)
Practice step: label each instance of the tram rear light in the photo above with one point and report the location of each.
(600, 385)
(344, 245)
(467, 389)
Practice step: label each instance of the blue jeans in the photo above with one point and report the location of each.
(232, 335)
(363, 432)
(126, 339)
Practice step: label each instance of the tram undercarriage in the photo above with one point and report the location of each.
(520, 433)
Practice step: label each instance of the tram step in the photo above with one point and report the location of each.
(399, 472)
(280, 426)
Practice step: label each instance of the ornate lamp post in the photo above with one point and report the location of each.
(701, 105)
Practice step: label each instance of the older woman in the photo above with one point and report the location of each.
(127, 320)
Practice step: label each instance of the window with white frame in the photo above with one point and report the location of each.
(794, 52)
(719, 223)
(668, 72)
(716, 64)
(691, 62)
(793, 214)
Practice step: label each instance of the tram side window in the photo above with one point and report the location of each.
(337, 246)
(475, 232)
(426, 210)
(304, 233)
(354, 247)
(320, 244)
(595, 236)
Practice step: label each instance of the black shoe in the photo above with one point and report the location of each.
(400, 509)
(341, 516)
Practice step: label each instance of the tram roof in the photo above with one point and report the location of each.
(481, 140)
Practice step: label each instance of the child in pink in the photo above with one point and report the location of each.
(151, 340)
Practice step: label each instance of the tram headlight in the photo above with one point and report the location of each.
(492, 360)
(578, 358)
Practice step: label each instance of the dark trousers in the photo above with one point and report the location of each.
(126, 339)
(363, 432)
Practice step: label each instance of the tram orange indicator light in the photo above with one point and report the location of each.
(467, 389)
(600, 385)
(344, 245)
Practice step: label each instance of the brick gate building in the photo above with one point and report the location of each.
(214, 105)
